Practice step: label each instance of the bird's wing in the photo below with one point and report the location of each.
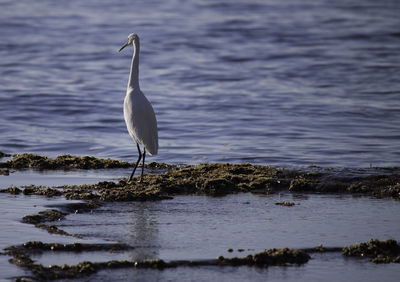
(141, 122)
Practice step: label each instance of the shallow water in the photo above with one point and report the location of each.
(322, 268)
(284, 83)
(201, 227)
(14, 232)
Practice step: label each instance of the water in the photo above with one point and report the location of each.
(286, 83)
(278, 82)
(200, 227)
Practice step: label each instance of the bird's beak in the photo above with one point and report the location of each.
(126, 44)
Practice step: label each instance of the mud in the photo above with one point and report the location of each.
(377, 251)
(29, 160)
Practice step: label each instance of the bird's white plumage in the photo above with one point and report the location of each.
(138, 112)
(140, 120)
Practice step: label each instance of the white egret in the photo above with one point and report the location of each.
(138, 113)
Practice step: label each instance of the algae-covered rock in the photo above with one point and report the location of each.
(378, 251)
(2, 155)
(12, 190)
(269, 258)
(301, 184)
(393, 191)
(285, 203)
(5, 171)
(28, 160)
(216, 179)
(43, 216)
(40, 190)
(66, 161)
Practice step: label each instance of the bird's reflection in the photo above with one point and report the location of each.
(143, 231)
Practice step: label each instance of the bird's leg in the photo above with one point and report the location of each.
(137, 162)
(144, 156)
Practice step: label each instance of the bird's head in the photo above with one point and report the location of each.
(131, 38)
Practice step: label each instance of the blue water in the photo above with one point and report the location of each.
(286, 83)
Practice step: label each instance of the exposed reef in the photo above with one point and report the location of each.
(209, 179)
(29, 160)
(378, 251)
(47, 216)
(204, 179)
(21, 255)
(223, 179)
(285, 203)
(2, 155)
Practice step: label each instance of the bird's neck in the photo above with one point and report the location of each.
(134, 75)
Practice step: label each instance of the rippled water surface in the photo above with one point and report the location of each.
(278, 82)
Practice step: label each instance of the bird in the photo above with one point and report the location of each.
(139, 114)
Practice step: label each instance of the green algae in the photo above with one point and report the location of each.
(378, 251)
